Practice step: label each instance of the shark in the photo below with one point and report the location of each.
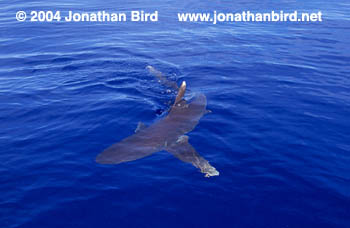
(169, 133)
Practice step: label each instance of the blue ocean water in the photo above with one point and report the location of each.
(278, 132)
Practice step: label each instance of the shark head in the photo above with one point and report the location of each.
(102, 159)
(126, 150)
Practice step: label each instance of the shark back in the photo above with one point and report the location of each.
(185, 116)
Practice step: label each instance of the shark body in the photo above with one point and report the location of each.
(166, 134)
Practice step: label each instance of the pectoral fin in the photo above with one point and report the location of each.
(140, 127)
(184, 151)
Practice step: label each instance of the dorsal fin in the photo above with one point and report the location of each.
(182, 139)
(181, 93)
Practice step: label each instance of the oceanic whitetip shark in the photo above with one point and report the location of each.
(167, 134)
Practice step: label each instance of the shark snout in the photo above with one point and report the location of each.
(102, 159)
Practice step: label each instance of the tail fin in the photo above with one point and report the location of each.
(168, 83)
(162, 79)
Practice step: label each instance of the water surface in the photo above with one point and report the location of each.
(278, 132)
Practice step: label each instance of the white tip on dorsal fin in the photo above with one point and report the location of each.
(180, 93)
(140, 127)
(182, 139)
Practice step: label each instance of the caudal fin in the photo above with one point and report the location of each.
(162, 79)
